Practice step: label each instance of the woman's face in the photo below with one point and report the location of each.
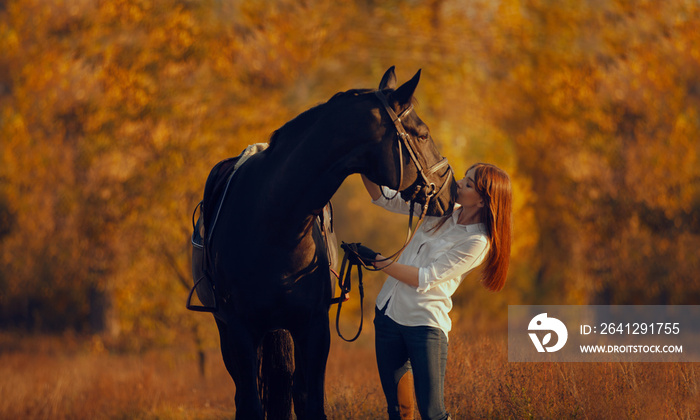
(467, 196)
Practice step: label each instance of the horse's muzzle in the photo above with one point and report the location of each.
(439, 199)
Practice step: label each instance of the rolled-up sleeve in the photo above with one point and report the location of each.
(395, 203)
(456, 262)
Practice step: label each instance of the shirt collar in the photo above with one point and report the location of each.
(473, 228)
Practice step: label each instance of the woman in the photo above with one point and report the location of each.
(411, 315)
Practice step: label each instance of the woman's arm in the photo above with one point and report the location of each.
(393, 203)
(401, 272)
(457, 261)
(373, 189)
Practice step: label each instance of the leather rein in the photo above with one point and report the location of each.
(425, 190)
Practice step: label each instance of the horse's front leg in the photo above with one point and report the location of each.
(311, 347)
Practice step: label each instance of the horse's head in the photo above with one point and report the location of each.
(410, 161)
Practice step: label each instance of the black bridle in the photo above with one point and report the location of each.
(425, 191)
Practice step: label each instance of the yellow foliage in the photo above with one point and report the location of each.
(112, 114)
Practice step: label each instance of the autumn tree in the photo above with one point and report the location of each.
(600, 100)
(113, 113)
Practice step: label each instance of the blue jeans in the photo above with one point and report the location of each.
(420, 349)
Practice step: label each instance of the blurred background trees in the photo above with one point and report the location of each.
(113, 112)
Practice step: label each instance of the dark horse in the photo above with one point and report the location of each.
(270, 273)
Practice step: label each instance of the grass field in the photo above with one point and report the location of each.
(72, 378)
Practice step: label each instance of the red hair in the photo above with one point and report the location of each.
(493, 185)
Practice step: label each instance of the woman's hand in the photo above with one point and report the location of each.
(366, 255)
(358, 253)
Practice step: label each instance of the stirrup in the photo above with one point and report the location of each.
(201, 308)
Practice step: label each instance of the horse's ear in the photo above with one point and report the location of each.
(388, 80)
(404, 94)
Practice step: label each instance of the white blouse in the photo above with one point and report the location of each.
(443, 258)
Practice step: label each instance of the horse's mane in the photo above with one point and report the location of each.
(307, 118)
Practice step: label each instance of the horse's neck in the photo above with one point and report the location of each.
(306, 178)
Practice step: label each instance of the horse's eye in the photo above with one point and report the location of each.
(423, 137)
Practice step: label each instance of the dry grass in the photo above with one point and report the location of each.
(66, 378)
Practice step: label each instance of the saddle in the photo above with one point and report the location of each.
(203, 226)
